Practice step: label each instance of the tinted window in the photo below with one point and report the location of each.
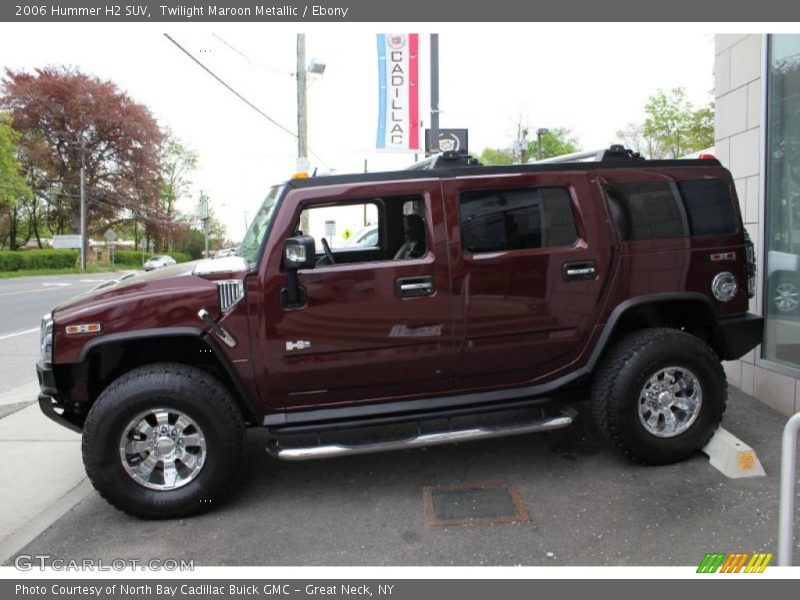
(652, 210)
(496, 220)
(708, 206)
(645, 211)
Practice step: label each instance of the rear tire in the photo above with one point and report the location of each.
(659, 395)
(163, 440)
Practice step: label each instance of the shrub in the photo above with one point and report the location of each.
(10, 261)
(180, 256)
(129, 258)
(38, 259)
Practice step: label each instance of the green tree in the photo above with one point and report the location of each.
(14, 189)
(555, 142)
(177, 162)
(13, 186)
(673, 127)
(496, 156)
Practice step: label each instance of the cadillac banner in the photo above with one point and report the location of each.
(398, 104)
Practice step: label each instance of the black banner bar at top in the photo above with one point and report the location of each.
(233, 11)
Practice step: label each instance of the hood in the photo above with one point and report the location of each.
(166, 284)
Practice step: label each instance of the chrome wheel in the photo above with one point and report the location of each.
(787, 297)
(162, 449)
(670, 402)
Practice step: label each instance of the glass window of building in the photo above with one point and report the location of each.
(782, 225)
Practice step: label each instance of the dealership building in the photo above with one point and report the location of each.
(757, 136)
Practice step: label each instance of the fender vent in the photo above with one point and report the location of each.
(230, 292)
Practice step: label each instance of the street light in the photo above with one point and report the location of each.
(539, 133)
(316, 67)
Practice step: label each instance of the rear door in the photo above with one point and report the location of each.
(532, 256)
(373, 327)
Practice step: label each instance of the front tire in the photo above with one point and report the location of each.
(659, 395)
(163, 440)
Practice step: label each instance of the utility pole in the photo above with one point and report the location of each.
(302, 106)
(539, 133)
(434, 93)
(84, 241)
(204, 215)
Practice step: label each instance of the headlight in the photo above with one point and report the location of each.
(724, 286)
(46, 338)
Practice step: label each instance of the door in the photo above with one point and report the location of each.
(529, 270)
(376, 320)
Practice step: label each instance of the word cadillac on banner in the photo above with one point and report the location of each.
(398, 100)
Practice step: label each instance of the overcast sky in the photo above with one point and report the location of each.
(590, 78)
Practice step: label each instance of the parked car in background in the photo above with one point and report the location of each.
(226, 252)
(366, 237)
(157, 262)
(783, 283)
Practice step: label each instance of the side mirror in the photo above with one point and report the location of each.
(299, 252)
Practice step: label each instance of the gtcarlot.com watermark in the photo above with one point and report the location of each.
(29, 562)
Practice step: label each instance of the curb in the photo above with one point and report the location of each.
(18, 539)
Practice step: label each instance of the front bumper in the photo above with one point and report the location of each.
(49, 402)
(740, 334)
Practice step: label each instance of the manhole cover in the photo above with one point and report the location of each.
(474, 504)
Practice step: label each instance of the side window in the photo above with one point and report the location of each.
(373, 229)
(339, 223)
(708, 206)
(516, 219)
(645, 211)
(653, 210)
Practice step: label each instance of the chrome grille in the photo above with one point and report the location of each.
(230, 292)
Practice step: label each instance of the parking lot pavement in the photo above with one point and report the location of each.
(588, 506)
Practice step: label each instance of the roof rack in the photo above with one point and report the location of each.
(445, 160)
(615, 152)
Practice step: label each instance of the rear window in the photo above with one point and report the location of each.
(657, 210)
(708, 206)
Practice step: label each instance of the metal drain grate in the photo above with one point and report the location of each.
(474, 504)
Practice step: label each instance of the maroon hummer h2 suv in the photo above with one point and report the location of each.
(484, 299)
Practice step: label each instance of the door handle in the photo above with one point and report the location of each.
(579, 271)
(411, 287)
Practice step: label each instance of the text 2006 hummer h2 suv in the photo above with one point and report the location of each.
(484, 299)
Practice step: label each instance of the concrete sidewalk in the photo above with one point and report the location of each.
(42, 472)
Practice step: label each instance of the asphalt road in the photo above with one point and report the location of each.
(23, 301)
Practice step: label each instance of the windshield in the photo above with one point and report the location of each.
(251, 243)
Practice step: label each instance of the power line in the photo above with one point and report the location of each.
(238, 95)
(249, 60)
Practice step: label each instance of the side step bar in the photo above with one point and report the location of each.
(427, 439)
